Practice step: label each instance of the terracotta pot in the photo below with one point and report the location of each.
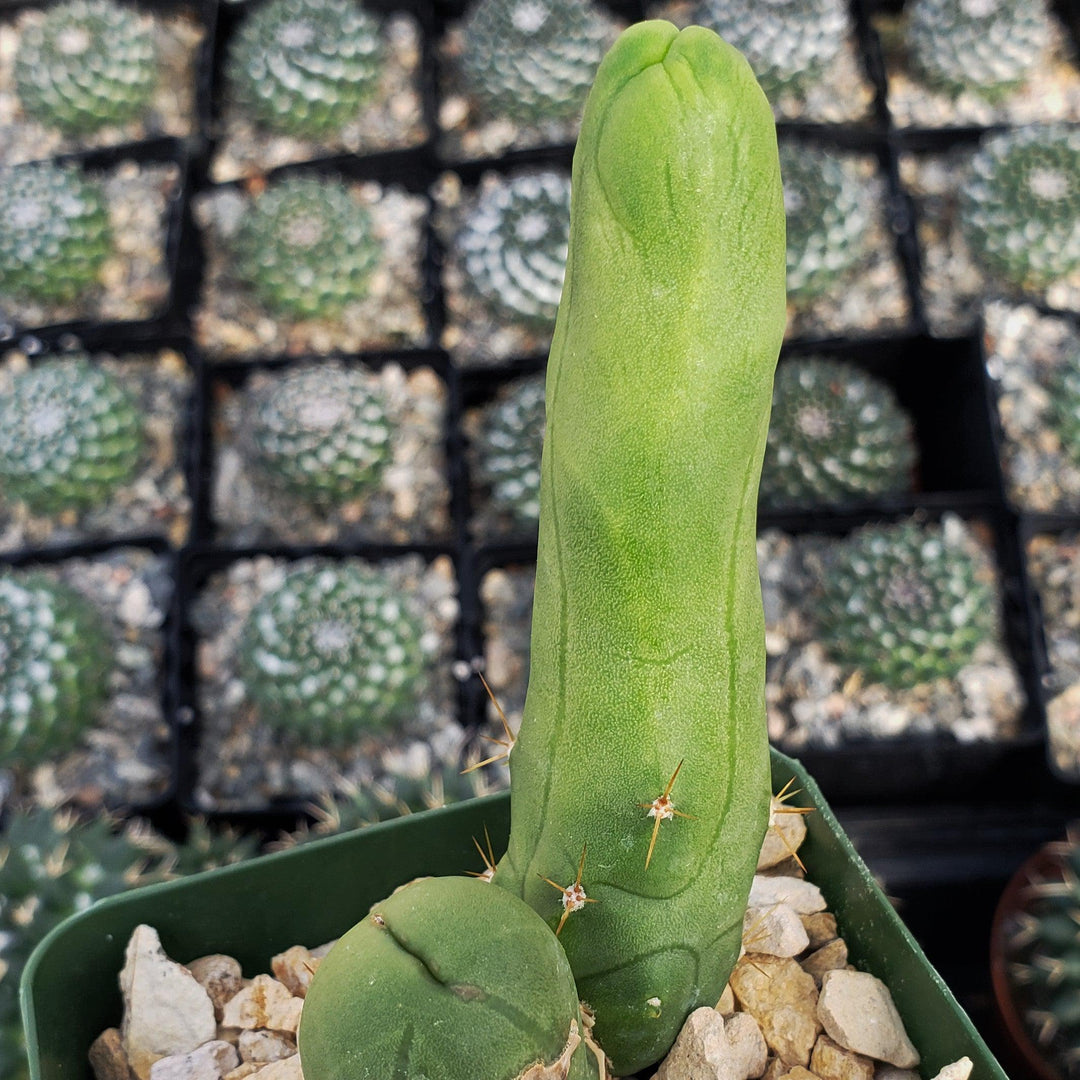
(1026, 1054)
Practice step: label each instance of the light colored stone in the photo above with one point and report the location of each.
(107, 1057)
(710, 1048)
(774, 1069)
(220, 976)
(891, 1072)
(749, 1054)
(211, 1061)
(726, 1005)
(263, 1046)
(243, 1070)
(782, 839)
(782, 998)
(857, 1011)
(321, 950)
(832, 1062)
(820, 928)
(775, 930)
(264, 1003)
(798, 1073)
(165, 1010)
(958, 1070)
(285, 1069)
(804, 896)
(831, 957)
(294, 967)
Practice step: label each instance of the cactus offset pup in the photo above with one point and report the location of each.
(648, 632)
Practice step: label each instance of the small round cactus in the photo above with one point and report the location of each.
(455, 949)
(513, 246)
(88, 64)
(789, 43)
(54, 232)
(1042, 943)
(986, 46)
(532, 60)
(1064, 392)
(305, 67)
(828, 220)
(509, 442)
(905, 604)
(306, 248)
(836, 435)
(333, 651)
(1020, 208)
(55, 657)
(322, 433)
(70, 435)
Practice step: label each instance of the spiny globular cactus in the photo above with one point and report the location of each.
(1043, 948)
(906, 603)
(988, 47)
(1020, 206)
(70, 436)
(837, 434)
(88, 64)
(828, 220)
(1065, 400)
(305, 67)
(332, 651)
(532, 60)
(508, 445)
(322, 433)
(640, 776)
(55, 658)
(306, 248)
(54, 233)
(513, 246)
(790, 44)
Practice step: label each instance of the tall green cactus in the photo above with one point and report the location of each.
(648, 636)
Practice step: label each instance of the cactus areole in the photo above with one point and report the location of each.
(648, 635)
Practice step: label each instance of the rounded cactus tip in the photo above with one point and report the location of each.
(430, 984)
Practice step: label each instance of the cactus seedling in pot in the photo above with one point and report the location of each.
(640, 778)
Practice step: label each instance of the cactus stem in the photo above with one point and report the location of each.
(662, 809)
(508, 742)
(488, 856)
(573, 895)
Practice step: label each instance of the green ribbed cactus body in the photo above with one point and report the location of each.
(1043, 943)
(306, 248)
(447, 979)
(986, 46)
(55, 658)
(54, 233)
(88, 64)
(70, 436)
(789, 44)
(837, 434)
(305, 67)
(532, 60)
(1020, 206)
(332, 651)
(828, 221)
(513, 246)
(322, 433)
(906, 603)
(1064, 392)
(509, 442)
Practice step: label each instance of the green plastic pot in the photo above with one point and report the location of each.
(70, 991)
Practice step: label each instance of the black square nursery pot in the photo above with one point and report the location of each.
(70, 988)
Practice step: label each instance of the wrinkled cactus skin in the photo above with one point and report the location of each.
(447, 979)
(647, 636)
